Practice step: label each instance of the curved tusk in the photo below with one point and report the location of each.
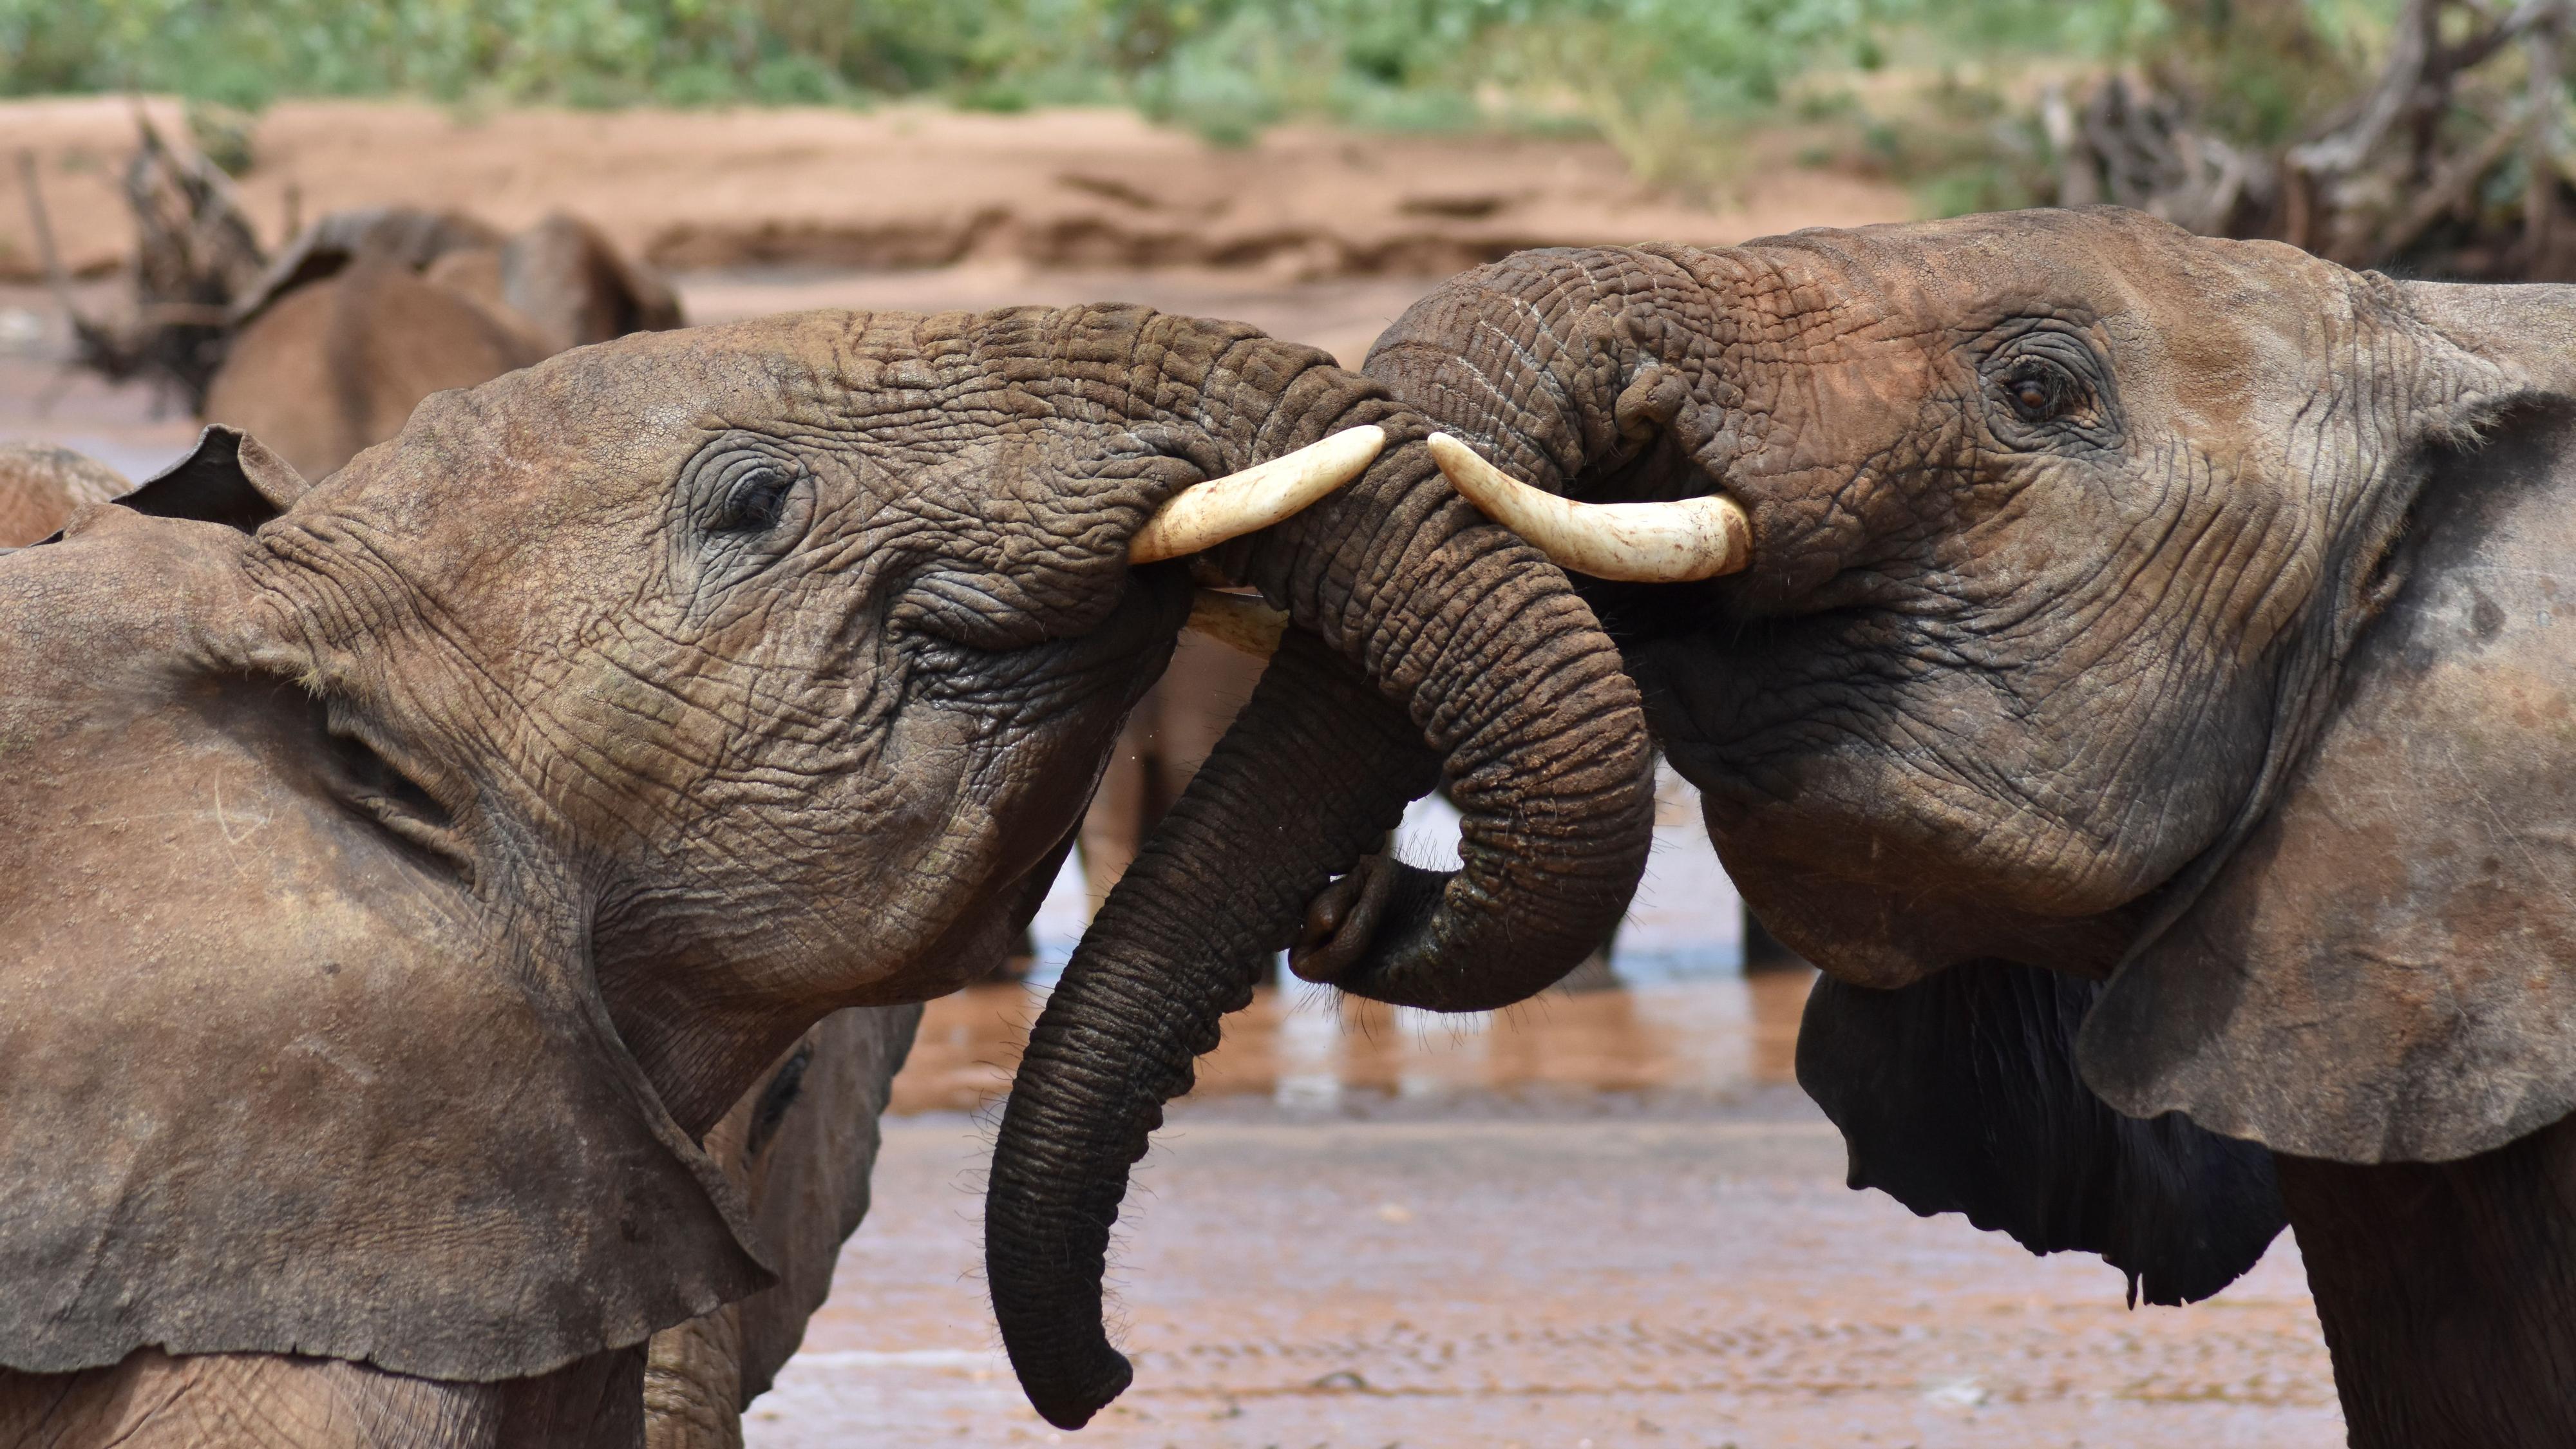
(1238, 621)
(1644, 543)
(1207, 514)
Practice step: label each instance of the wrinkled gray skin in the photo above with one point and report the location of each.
(401, 891)
(798, 1146)
(2179, 616)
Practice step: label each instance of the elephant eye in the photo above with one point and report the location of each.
(2043, 387)
(753, 500)
(739, 506)
(2039, 391)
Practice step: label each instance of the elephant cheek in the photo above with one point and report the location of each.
(272, 1025)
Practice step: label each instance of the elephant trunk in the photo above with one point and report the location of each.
(1598, 374)
(1142, 998)
(1423, 635)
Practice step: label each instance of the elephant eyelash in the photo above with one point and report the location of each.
(2040, 392)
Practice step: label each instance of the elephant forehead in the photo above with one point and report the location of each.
(2227, 308)
(1077, 363)
(2252, 357)
(1014, 418)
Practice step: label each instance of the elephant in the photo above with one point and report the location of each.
(41, 485)
(410, 871)
(372, 310)
(2129, 665)
(798, 1146)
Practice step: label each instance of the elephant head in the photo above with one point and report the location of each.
(401, 888)
(2173, 613)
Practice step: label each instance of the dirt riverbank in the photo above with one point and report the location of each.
(912, 186)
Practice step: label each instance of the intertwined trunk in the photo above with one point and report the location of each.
(1423, 635)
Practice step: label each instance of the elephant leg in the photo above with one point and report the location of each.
(2448, 1292)
(1197, 698)
(155, 1400)
(1166, 738)
(693, 1384)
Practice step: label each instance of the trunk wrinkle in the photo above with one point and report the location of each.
(1424, 633)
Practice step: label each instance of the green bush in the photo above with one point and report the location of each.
(1674, 84)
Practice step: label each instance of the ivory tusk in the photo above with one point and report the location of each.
(1696, 538)
(1238, 621)
(1207, 514)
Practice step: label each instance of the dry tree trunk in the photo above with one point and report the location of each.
(195, 252)
(2540, 152)
(2401, 176)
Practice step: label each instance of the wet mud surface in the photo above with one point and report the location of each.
(1605, 1219)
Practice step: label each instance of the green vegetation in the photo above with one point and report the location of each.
(1936, 91)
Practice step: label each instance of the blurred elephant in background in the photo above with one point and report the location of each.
(42, 485)
(2138, 669)
(370, 311)
(430, 860)
(1169, 736)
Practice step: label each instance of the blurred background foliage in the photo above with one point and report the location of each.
(1942, 94)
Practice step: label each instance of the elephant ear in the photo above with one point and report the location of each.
(227, 478)
(2385, 969)
(1959, 1093)
(273, 1077)
(805, 1147)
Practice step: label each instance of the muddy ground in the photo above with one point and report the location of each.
(1596, 1220)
